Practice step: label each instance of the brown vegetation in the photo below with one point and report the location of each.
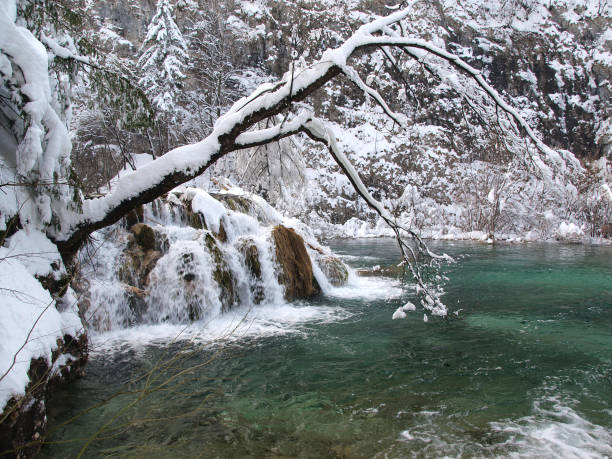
(296, 269)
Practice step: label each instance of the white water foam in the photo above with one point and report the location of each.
(172, 299)
(259, 322)
(368, 288)
(555, 430)
(271, 318)
(183, 299)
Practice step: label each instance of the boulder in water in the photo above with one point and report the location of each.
(295, 266)
(333, 268)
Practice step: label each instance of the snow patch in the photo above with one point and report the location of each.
(30, 325)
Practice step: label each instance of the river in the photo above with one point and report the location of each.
(525, 369)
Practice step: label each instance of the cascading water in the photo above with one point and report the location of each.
(201, 260)
(182, 286)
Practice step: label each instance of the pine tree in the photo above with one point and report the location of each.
(163, 61)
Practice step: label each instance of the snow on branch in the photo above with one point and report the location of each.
(232, 132)
(428, 294)
(264, 136)
(317, 130)
(62, 51)
(560, 160)
(352, 75)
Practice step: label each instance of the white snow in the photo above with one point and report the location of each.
(400, 313)
(34, 251)
(212, 210)
(31, 323)
(569, 231)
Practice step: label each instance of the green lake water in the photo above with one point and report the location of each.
(525, 371)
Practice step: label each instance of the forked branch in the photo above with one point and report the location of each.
(232, 132)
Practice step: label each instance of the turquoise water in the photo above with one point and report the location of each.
(526, 370)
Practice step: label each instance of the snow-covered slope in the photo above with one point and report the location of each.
(453, 171)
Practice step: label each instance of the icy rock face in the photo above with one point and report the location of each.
(206, 254)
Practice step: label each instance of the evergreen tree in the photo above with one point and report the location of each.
(162, 63)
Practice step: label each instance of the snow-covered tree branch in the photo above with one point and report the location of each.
(232, 132)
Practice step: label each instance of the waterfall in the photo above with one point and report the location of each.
(182, 286)
(190, 257)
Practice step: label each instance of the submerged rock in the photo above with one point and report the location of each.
(295, 265)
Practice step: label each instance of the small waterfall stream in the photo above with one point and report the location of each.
(192, 257)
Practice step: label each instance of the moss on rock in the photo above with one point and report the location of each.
(296, 269)
(144, 236)
(195, 219)
(136, 266)
(222, 274)
(137, 261)
(251, 260)
(234, 202)
(134, 217)
(335, 271)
